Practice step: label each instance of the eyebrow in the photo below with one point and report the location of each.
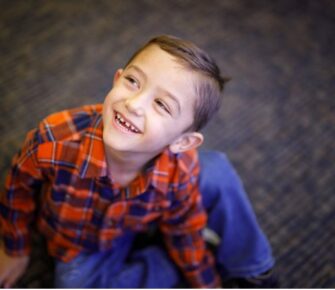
(165, 92)
(141, 72)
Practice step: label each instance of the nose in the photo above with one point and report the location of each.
(135, 104)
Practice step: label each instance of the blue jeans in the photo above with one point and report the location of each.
(243, 250)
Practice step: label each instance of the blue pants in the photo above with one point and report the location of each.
(243, 250)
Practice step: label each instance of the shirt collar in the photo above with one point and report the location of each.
(156, 175)
(92, 161)
(161, 173)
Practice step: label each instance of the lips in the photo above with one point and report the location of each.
(126, 123)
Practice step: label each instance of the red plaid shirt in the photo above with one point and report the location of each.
(62, 164)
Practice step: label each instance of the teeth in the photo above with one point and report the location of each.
(125, 124)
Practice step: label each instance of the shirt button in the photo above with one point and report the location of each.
(157, 208)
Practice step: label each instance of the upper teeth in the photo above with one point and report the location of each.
(126, 124)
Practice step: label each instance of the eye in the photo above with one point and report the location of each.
(163, 106)
(132, 81)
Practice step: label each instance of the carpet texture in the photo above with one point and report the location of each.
(276, 123)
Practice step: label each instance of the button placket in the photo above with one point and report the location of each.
(67, 197)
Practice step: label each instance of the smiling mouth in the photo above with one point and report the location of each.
(126, 124)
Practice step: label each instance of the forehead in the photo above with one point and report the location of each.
(165, 71)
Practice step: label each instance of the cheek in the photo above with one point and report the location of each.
(106, 110)
(165, 130)
(113, 95)
(107, 100)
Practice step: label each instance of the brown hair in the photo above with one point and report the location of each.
(209, 89)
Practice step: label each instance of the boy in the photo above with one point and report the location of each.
(92, 177)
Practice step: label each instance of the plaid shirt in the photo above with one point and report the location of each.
(62, 164)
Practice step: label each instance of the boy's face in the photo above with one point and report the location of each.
(150, 105)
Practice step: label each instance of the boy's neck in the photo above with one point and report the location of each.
(123, 168)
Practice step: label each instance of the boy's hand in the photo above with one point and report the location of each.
(11, 268)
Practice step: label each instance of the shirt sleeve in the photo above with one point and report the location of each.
(17, 200)
(182, 228)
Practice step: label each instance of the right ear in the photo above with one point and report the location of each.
(117, 75)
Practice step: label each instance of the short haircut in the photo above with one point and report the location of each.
(211, 85)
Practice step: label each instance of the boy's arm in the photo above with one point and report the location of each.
(182, 227)
(17, 201)
(189, 252)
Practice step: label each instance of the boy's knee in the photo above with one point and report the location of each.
(214, 165)
(211, 157)
(214, 169)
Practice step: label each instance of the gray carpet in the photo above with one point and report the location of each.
(277, 120)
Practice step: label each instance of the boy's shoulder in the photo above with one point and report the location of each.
(187, 160)
(68, 124)
(180, 167)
